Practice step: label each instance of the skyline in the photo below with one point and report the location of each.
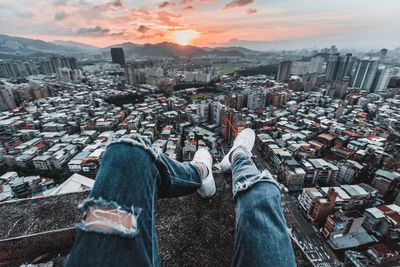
(259, 25)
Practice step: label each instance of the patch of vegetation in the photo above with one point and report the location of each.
(120, 100)
(266, 70)
(184, 86)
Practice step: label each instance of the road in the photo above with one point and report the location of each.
(259, 161)
(306, 236)
(303, 233)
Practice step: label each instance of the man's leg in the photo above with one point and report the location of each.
(119, 229)
(261, 237)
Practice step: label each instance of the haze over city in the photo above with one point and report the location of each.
(255, 24)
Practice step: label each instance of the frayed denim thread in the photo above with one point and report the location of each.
(118, 229)
(140, 141)
(264, 176)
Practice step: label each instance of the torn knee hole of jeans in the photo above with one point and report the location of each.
(107, 217)
(139, 141)
(246, 183)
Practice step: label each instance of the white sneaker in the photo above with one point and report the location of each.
(246, 139)
(207, 188)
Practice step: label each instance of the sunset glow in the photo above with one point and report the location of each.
(250, 23)
(184, 37)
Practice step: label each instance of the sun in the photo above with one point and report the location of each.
(184, 37)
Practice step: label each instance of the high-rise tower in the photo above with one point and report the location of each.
(284, 70)
(365, 74)
(117, 55)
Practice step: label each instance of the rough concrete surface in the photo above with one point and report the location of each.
(197, 232)
(191, 231)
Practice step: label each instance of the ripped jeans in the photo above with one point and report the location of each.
(133, 175)
(261, 234)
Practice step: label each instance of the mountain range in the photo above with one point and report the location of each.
(15, 47)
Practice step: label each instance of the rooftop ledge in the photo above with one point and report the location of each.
(191, 231)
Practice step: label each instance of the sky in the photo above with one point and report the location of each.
(256, 24)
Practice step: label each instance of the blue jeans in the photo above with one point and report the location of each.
(261, 235)
(133, 175)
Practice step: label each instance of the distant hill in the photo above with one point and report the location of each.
(17, 48)
(235, 49)
(129, 48)
(167, 49)
(77, 45)
(124, 45)
(10, 44)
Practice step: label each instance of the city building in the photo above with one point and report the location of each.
(118, 56)
(308, 198)
(344, 230)
(300, 68)
(134, 75)
(386, 181)
(316, 65)
(345, 67)
(356, 259)
(383, 221)
(323, 207)
(383, 77)
(75, 183)
(7, 100)
(292, 175)
(364, 75)
(319, 171)
(349, 171)
(284, 71)
(256, 100)
(383, 255)
(332, 67)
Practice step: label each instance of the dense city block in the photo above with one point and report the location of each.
(327, 127)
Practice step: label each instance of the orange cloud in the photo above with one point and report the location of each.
(251, 11)
(143, 29)
(168, 19)
(188, 8)
(237, 3)
(166, 4)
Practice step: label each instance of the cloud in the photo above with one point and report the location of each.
(60, 2)
(92, 31)
(60, 15)
(149, 36)
(143, 29)
(24, 14)
(238, 3)
(99, 4)
(184, 2)
(117, 33)
(188, 7)
(190, 4)
(117, 3)
(168, 19)
(251, 11)
(165, 4)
